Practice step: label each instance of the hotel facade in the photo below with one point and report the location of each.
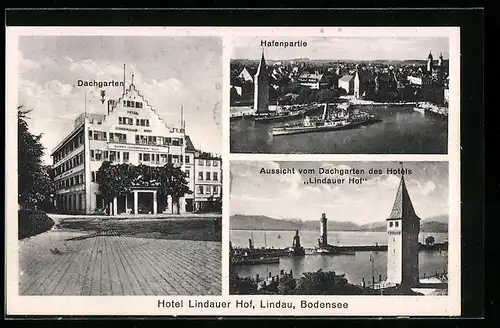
(130, 132)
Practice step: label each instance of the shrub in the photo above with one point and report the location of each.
(32, 223)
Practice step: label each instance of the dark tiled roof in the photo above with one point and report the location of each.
(402, 208)
(189, 144)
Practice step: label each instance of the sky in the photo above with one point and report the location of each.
(287, 197)
(169, 71)
(355, 48)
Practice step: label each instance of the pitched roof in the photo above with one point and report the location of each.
(189, 144)
(402, 208)
(307, 75)
(262, 65)
(346, 78)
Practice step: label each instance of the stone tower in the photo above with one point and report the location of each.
(403, 228)
(261, 88)
(429, 63)
(440, 60)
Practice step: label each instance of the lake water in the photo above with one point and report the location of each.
(355, 267)
(402, 131)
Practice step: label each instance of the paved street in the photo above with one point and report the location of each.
(76, 263)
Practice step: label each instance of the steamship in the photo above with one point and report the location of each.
(328, 122)
(284, 114)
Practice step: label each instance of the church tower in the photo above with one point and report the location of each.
(440, 60)
(261, 85)
(429, 63)
(403, 228)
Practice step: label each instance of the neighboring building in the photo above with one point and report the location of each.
(261, 85)
(245, 75)
(346, 82)
(363, 81)
(131, 132)
(208, 179)
(313, 81)
(403, 228)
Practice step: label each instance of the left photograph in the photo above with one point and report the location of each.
(119, 165)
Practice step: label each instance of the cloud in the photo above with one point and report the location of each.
(50, 88)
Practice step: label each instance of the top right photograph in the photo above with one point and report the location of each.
(340, 95)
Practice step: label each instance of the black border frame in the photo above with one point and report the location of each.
(471, 23)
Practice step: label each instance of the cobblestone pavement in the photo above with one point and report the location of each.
(74, 263)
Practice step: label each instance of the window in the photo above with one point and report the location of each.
(207, 189)
(92, 155)
(390, 224)
(90, 134)
(175, 142)
(98, 155)
(126, 156)
(208, 162)
(146, 157)
(112, 156)
(200, 190)
(187, 173)
(207, 175)
(393, 239)
(396, 224)
(120, 121)
(200, 175)
(137, 122)
(215, 190)
(140, 157)
(216, 163)
(138, 104)
(106, 156)
(216, 176)
(93, 176)
(186, 159)
(201, 162)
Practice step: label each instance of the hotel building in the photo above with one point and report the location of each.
(130, 132)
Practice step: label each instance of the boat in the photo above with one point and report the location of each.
(325, 123)
(283, 115)
(333, 250)
(255, 261)
(420, 107)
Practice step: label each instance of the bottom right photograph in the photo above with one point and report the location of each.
(339, 228)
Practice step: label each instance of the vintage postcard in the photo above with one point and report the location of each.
(194, 171)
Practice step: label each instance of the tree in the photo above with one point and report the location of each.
(429, 240)
(173, 183)
(241, 286)
(34, 180)
(116, 180)
(323, 283)
(286, 285)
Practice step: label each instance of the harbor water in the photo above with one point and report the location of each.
(355, 267)
(401, 131)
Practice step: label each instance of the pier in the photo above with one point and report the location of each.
(282, 252)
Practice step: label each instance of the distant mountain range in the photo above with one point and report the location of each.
(261, 222)
(376, 61)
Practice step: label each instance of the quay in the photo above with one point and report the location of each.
(282, 252)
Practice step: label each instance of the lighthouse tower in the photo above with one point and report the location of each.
(403, 228)
(323, 242)
(261, 88)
